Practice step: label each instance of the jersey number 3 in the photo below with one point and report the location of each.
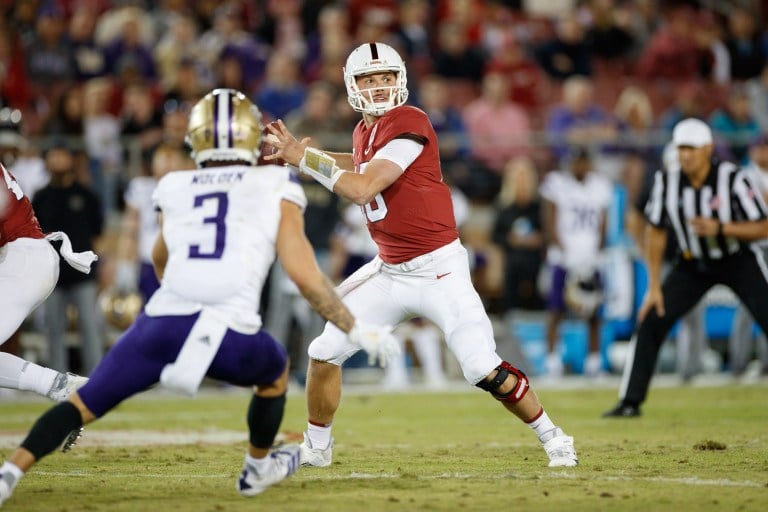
(222, 205)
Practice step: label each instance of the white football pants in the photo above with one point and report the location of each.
(29, 269)
(437, 286)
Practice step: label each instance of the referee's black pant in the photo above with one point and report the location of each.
(745, 272)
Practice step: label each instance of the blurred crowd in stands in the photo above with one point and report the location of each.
(510, 86)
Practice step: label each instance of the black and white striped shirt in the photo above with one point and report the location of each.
(729, 194)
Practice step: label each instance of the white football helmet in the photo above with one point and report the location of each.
(375, 58)
(225, 125)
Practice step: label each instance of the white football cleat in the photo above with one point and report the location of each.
(63, 386)
(560, 449)
(283, 462)
(7, 483)
(315, 456)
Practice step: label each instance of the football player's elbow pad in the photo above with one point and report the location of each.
(321, 167)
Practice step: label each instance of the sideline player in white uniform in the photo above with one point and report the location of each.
(29, 269)
(576, 201)
(221, 227)
(422, 268)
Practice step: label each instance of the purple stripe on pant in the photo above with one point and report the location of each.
(134, 363)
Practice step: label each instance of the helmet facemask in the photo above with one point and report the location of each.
(371, 58)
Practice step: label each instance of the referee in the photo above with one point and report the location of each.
(715, 212)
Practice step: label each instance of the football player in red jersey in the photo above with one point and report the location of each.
(29, 269)
(422, 268)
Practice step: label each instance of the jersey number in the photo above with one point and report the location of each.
(376, 210)
(222, 204)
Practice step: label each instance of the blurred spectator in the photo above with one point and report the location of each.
(413, 36)
(606, 36)
(384, 11)
(743, 42)
(688, 101)
(426, 340)
(165, 14)
(568, 53)
(228, 36)
(175, 119)
(89, 59)
(643, 20)
(498, 130)
(128, 49)
(576, 200)
(24, 18)
(455, 57)
(375, 25)
(716, 61)
(672, 53)
(140, 117)
(229, 74)
(177, 44)
(578, 120)
(757, 90)
(66, 118)
(469, 13)
(433, 99)
(331, 37)
(49, 59)
(636, 150)
(139, 230)
(187, 87)
(743, 342)
(528, 84)
(14, 86)
(316, 119)
(517, 231)
(101, 133)
(735, 125)
(66, 205)
(282, 28)
(282, 90)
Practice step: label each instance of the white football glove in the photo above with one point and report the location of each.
(377, 340)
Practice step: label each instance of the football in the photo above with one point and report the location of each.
(267, 148)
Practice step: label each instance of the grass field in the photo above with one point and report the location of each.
(695, 449)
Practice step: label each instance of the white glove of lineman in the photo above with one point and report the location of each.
(377, 340)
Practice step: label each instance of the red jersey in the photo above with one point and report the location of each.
(414, 215)
(17, 219)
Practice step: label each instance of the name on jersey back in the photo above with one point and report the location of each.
(217, 177)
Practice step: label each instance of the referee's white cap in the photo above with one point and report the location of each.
(691, 132)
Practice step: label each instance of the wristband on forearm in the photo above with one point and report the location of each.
(321, 167)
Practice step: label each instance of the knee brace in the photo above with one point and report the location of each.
(503, 371)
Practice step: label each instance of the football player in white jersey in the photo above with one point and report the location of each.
(576, 200)
(221, 227)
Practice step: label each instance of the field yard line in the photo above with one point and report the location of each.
(306, 475)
